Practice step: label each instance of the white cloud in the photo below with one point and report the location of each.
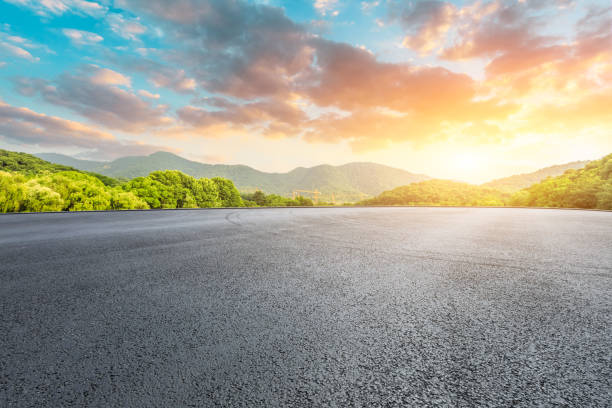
(18, 52)
(105, 76)
(80, 37)
(148, 94)
(326, 6)
(30, 128)
(146, 51)
(59, 7)
(176, 80)
(21, 42)
(366, 6)
(127, 28)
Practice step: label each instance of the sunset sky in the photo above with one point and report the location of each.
(466, 90)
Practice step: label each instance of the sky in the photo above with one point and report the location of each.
(466, 90)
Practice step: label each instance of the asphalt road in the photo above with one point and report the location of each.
(307, 307)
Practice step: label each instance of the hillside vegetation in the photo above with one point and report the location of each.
(348, 183)
(260, 199)
(77, 191)
(589, 187)
(518, 182)
(441, 193)
(28, 164)
(28, 183)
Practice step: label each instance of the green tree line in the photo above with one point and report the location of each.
(260, 199)
(440, 193)
(76, 191)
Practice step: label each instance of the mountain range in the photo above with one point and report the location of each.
(346, 183)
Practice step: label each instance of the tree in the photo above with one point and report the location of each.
(12, 192)
(79, 191)
(42, 198)
(154, 193)
(126, 200)
(228, 194)
(208, 194)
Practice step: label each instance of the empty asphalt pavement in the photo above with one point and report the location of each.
(307, 307)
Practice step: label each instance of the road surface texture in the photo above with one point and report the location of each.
(307, 307)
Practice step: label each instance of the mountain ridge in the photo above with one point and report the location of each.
(347, 182)
(520, 181)
(344, 183)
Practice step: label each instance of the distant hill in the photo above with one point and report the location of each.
(441, 193)
(85, 165)
(349, 182)
(588, 187)
(29, 164)
(520, 181)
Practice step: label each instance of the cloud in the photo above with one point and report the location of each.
(80, 37)
(94, 94)
(148, 94)
(18, 52)
(324, 7)
(19, 45)
(28, 127)
(349, 77)
(278, 72)
(59, 7)
(590, 111)
(176, 80)
(25, 125)
(427, 23)
(269, 118)
(124, 27)
(105, 76)
(160, 75)
(266, 74)
(509, 35)
(236, 48)
(367, 6)
(523, 62)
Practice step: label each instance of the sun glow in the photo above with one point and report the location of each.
(467, 165)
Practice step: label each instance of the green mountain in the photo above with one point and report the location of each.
(84, 165)
(347, 183)
(442, 193)
(28, 164)
(588, 187)
(520, 181)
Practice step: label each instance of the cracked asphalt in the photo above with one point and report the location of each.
(307, 307)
